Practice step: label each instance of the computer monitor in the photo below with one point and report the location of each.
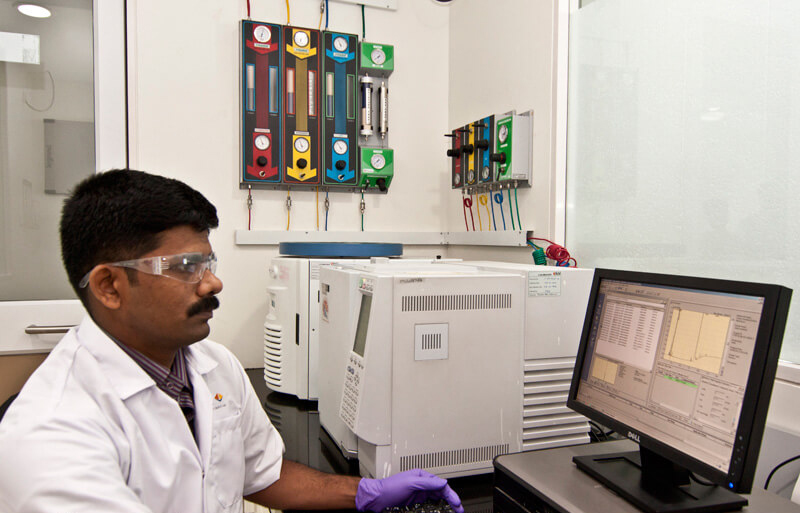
(684, 367)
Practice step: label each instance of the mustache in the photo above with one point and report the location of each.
(204, 305)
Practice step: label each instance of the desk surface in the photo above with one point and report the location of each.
(551, 476)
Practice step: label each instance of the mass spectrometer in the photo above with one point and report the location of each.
(555, 305)
(423, 366)
(414, 340)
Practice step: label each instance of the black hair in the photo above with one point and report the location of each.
(120, 214)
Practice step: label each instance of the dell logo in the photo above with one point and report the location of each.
(633, 436)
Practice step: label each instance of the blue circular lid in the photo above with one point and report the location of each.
(340, 249)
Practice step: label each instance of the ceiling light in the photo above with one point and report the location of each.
(33, 10)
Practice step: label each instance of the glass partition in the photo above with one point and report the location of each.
(683, 130)
(46, 139)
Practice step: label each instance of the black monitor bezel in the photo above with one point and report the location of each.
(763, 367)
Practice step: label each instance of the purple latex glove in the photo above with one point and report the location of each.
(409, 487)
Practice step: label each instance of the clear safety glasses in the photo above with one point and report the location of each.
(188, 267)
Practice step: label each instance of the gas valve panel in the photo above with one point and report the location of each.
(340, 125)
(311, 102)
(492, 152)
(261, 105)
(301, 118)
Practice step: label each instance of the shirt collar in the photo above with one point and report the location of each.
(159, 373)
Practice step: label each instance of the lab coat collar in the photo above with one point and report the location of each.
(198, 360)
(124, 374)
(127, 378)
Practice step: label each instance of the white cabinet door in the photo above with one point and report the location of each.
(68, 76)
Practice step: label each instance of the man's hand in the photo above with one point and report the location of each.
(409, 487)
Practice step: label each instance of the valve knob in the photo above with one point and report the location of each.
(483, 144)
(302, 163)
(468, 148)
(498, 157)
(261, 161)
(340, 164)
(456, 152)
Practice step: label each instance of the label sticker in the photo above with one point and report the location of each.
(544, 283)
(325, 309)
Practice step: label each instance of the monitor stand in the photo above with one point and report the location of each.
(656, 485)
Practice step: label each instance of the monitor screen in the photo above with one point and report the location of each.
(682, 365)
(363, 321)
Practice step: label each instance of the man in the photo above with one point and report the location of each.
(134, 410)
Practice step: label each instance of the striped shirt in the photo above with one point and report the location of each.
(174, 382)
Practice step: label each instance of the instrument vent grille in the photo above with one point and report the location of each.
(273, 355)
(453, 458)
(444, 302)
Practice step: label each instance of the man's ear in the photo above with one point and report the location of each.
(106, 283)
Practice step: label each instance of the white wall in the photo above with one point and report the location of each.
(184, 111)
(503, 56)
(184, 98)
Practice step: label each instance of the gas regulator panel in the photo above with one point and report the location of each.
(261, 106)
(314, 110)
(301, 130)
(376, 63)
(340, 145)
(492, 152)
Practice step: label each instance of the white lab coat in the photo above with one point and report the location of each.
(90, 431)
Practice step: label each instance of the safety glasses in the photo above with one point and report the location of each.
(187, 267)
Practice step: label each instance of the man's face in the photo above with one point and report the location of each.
(165, 313)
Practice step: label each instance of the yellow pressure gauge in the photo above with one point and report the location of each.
(301, 38)
(301, 144)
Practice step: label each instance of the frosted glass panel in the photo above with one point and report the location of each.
(46, 143)
(683, 140)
